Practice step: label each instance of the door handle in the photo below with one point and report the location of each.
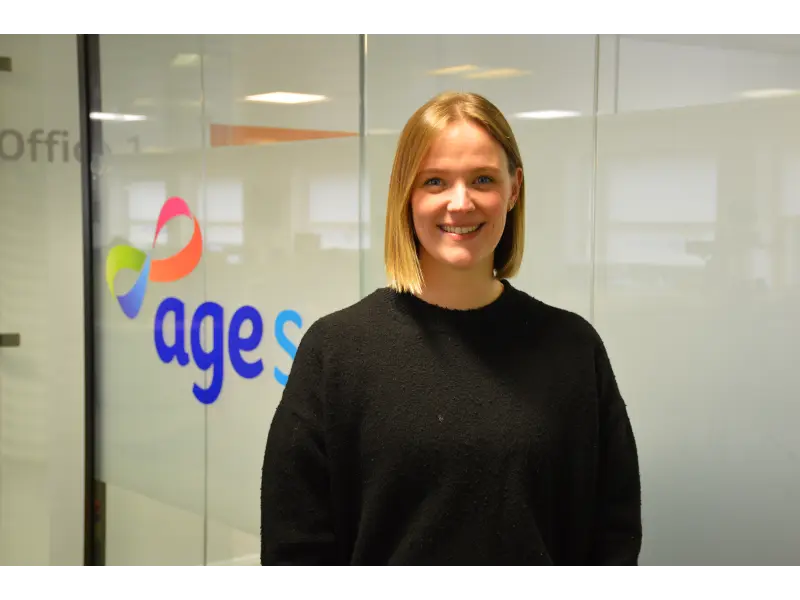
(9, 340)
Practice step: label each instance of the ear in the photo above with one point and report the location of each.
(516, 186)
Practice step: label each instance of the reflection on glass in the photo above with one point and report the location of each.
(222, 212)
(144, 201)
(683, 248)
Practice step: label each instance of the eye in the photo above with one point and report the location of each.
(484, 179)
(435, 181)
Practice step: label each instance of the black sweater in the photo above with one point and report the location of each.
(413, 434)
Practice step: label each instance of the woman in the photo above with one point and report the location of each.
(451, 418)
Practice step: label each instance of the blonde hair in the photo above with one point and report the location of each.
(401, 255)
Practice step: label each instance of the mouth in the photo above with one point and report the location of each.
(460, 230)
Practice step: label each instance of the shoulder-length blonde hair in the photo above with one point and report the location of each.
(401, 248)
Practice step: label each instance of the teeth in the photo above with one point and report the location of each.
(459, 230)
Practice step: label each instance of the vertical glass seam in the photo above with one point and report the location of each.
(363, 228)
(593, 202)
(204, 271)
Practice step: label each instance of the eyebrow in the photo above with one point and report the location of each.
(436, 171)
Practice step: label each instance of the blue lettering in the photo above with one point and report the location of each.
(208, 352)
(238, 344)
(178, 350)
(214, 358)
(285, 316)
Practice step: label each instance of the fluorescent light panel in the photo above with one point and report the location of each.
(186, 60)
(548, 114)
(454, 70)
(769, 93)
(104, 116)
(496, 74)
(286, 98)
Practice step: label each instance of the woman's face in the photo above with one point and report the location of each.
(461, 197)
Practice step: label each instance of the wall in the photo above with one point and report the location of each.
(41, 298)
(663, 206)
(696, 283)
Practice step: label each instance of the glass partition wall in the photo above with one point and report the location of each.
(662, 206)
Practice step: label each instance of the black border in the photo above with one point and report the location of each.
(88, 51)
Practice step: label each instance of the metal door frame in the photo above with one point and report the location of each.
(88, 49)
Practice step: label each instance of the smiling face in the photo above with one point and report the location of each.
(461, 198)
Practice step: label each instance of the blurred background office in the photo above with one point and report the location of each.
(663, 178)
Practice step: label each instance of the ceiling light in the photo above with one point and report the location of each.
(103, 116)
(548, 114)
(768, 93)
(496, 74)
(285, 98)
(186, 60)
(453, 70)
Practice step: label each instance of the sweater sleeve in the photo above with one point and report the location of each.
(296, 521)
(619, 531)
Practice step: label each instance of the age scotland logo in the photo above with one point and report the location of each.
(161, 270)
(208, 355)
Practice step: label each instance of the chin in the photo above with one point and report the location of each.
(461, 262)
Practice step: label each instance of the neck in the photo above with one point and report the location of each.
(459, 289)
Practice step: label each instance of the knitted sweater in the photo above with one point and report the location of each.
(414, 434)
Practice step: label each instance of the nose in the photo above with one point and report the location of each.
(460, 200)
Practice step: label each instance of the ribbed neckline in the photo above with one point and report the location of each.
(439, 317)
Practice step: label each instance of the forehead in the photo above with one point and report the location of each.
(464, 145)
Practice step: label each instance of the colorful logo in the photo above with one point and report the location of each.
(164, 270)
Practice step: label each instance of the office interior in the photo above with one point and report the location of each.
(663, 205)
